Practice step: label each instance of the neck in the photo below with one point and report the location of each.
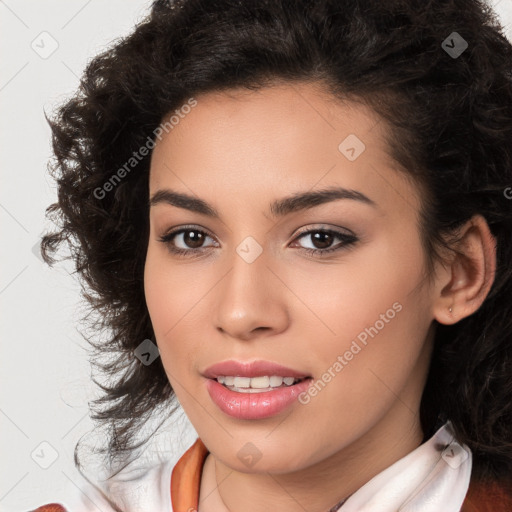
(319, 487)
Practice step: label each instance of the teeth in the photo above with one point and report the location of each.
(275, 381)
(242, 382)
(255, 384)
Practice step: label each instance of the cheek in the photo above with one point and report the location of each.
(372, 311)
(156, 290)
(164, 301)
(173, 299)
(350, 295)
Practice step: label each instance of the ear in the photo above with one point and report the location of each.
(464, 284)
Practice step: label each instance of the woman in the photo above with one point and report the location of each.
(296, 219)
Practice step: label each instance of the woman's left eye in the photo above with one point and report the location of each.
(324, 237)
(191, 245)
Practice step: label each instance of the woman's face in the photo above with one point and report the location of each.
(356, 320)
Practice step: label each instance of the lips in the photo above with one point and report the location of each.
(257, 368)
(255, 406)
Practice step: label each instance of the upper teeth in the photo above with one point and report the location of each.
(256, 382)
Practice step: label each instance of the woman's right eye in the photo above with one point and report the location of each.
(190, 244)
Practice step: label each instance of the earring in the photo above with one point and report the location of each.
(450, 310)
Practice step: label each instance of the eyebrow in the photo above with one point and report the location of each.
(278, 208)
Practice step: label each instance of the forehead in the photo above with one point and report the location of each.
(281, 137)
(274, 113)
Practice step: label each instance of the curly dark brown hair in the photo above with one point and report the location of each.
(450, 119)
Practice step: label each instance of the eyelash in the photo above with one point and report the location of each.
(347, 240)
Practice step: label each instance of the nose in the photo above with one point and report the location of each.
(250, 301)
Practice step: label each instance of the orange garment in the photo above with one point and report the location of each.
(186, 480)
(487, 498)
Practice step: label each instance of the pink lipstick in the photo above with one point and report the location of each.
(255, 390)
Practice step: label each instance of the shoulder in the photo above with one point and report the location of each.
(488, 497)
(142, 489)
(84, 496)
(87, 499)
(142, 486)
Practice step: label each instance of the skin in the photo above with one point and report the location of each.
(240, 150)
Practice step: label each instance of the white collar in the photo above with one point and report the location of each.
(433, 477)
